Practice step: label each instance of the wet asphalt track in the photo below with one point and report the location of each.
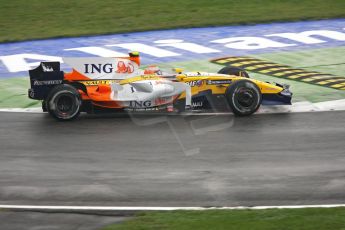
(276, 159)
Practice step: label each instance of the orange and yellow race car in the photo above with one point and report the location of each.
(99, 84)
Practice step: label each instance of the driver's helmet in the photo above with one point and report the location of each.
(153, 69)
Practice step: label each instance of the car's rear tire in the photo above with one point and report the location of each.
(64, 102)
(244, 97)
(230, 70)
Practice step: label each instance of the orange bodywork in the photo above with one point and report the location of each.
(75, 76)
(100, 96)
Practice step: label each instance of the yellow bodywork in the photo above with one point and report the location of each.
(203, 83)
(265, 88)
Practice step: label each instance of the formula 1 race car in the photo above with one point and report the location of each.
(101, 84)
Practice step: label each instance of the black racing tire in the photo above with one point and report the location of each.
(63, 102)
(230, 70)
(244, 97)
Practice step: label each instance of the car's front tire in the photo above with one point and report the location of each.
(63, 102)
(244, 97)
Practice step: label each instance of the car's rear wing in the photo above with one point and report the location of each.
(43, 78)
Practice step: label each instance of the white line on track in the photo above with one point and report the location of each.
(297, 107)
(133, 208)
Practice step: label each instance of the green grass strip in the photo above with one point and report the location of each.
(271, 219)
(14, 93)
(36, 19)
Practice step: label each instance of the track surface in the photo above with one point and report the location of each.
(55, 221)
(277, 159)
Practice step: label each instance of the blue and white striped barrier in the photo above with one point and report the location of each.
(176, 45)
